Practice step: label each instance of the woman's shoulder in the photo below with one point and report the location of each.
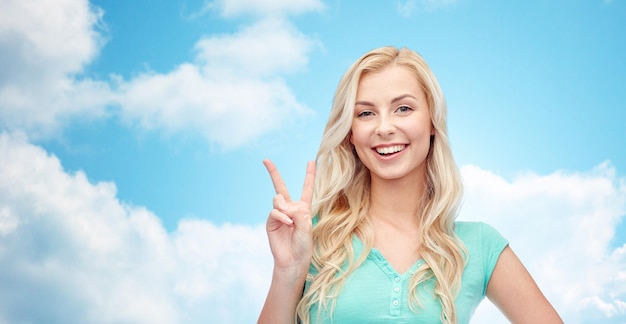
(478, 233)
(463, 228)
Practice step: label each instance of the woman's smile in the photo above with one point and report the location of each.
(389, 150)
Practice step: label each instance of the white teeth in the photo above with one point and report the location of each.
(390, 149)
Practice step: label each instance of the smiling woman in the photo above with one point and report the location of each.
(376, 226)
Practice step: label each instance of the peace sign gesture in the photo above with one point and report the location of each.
(289, 224)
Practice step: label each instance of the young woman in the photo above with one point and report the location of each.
(373, 238)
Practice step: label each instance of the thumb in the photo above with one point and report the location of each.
(280, 203)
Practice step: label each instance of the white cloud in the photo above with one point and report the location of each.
(232, 8)
(263, 49)
(72, 252)
(56, 37)
(233, 92)
(69, 246)
(44, 45)
(224, 273)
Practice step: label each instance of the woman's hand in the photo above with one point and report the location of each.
(289, 225)
(289, 230)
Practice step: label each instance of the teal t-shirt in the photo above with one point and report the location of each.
(376, 293)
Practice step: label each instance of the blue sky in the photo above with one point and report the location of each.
(132, 133)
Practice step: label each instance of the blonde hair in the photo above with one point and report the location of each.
(342, 189)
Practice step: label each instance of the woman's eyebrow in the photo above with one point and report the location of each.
(398, 98)
(364, 103)
(394, 100)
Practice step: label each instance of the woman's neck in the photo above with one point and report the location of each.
(397, 201)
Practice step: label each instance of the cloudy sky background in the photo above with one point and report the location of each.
(132, 135)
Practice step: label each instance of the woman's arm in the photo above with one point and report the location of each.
(513, 290)
(283, 297)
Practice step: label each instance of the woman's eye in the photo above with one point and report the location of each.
(365, 114)
(404, 109)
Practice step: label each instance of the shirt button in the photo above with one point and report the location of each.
(396, 289)
(397, 279)
(395, 302)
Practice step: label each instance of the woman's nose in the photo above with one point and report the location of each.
(385, 127)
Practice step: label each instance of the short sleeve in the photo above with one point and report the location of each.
(492, 245)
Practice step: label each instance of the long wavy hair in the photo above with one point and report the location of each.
(342, 190)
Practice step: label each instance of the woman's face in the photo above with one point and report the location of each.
(391, 128)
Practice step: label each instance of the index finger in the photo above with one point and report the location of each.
(279, 185)
(309, 183)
